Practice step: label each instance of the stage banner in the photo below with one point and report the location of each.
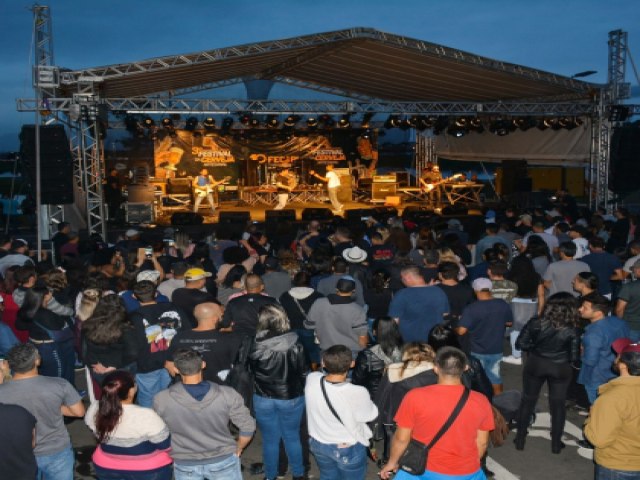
(250, 158)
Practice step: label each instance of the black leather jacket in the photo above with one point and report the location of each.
(542, 339)
(370, 368)
(279, 367)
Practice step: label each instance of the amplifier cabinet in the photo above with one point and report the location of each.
(139, 212)
(380, 191)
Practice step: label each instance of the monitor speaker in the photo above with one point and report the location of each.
(316, 214)
(288, 215)
(234, 217)
(186, 218)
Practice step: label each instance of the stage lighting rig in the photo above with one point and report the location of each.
(345, 121)
(475, 124)
(148, 122)
(272, 121)
(327, 121)
(312, 122)
(227, 123)
(440, 124)
(291, 121)
(500, 127)
(191, 124)
(524, 123)
(209, 123)
(393, 121)
(456, 130)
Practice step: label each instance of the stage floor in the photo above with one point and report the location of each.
(258, 213)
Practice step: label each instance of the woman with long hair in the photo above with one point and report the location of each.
(277, 360)
(372, 362)
(108, 338)
(52, 334)
(133, 441)
(232, 284)
(528, 302)
(538, 251)
(553, 345)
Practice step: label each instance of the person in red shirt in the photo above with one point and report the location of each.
(457, 454)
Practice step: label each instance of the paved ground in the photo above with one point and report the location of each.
(535, 462)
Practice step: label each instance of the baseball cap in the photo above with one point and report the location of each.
(151, 275)
(272, 263)
(481, 284)
(526, 217)
(19, 243)
(196, 274)
(454, 223)
(132, 232)
(346, 284)
(625, 345)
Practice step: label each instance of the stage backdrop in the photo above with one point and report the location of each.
(253, 158)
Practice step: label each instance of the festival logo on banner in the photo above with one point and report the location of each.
(211, 153)
(278, 160)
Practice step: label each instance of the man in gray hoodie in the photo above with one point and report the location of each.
(197, 413)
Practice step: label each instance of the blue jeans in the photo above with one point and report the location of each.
(280, 419)
(57, 466)
(603, 473)
(149, 384)
(164, 473)
(227, 469)
(402, 475)
(58, 360)
(491, 364)
(308, 340)
(340, 463)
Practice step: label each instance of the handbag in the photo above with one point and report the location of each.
(240, 377)
(306, 319)
(414, 458)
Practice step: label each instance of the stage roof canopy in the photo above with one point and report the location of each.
(359, 63)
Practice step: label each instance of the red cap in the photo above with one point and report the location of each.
(624, 345)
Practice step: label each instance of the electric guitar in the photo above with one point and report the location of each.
(204, 190)
(428, 187)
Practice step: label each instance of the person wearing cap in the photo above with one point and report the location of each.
(598, 336)
(454, 226)
(327, 286)
(486, 321)
(131, 242)
(18, 255)
(276, 282)
(523, 225)
(357, 259)
(155, 325)
(628, 304)
(131, 303)
(167, 287)
(193, 293)
(241, 314)
(338, 319)
(613, 426)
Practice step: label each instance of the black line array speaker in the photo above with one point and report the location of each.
(56, 163)
(234, 217)
(624, 164)
(512, 172)
(288, 215)
(186, 218)
(320, 213)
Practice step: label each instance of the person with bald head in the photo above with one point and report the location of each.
(241, 314)
(218, 349)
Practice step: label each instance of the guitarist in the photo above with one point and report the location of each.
(285, 182)
(203, 186)
(429, 181)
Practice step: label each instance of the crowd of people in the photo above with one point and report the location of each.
(327, 340)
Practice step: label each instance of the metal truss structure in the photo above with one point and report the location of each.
(234, 106)
(154, 87)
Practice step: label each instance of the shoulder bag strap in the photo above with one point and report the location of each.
(304, 314)
(451, 419)
(326, 397)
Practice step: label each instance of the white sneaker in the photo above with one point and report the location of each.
(512, 360)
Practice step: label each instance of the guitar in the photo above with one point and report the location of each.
(290, 185)
(205, 190)
(428, 187)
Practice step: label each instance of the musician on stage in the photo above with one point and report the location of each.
(285, 183)
(333, 184)
(429, 181)
(203, 186)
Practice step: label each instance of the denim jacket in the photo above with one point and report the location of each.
(597, 356)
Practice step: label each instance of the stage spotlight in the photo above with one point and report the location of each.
(272, 121)
(227, 123)
(462, 122)
(312, 122)
(440, 124)
(456, 130)
(422, 123)
(254, 122)
(541, 124)
(500, 127)
(291, 121)
(366, 119)
(524, 123)
(345, 121)
(475, 124)
(209, 123)
(148, 122)
(191, 124)
(327, 121)
(245, 119)
(405, 124)
(393, 121)
(167, 122)
(552, 123)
